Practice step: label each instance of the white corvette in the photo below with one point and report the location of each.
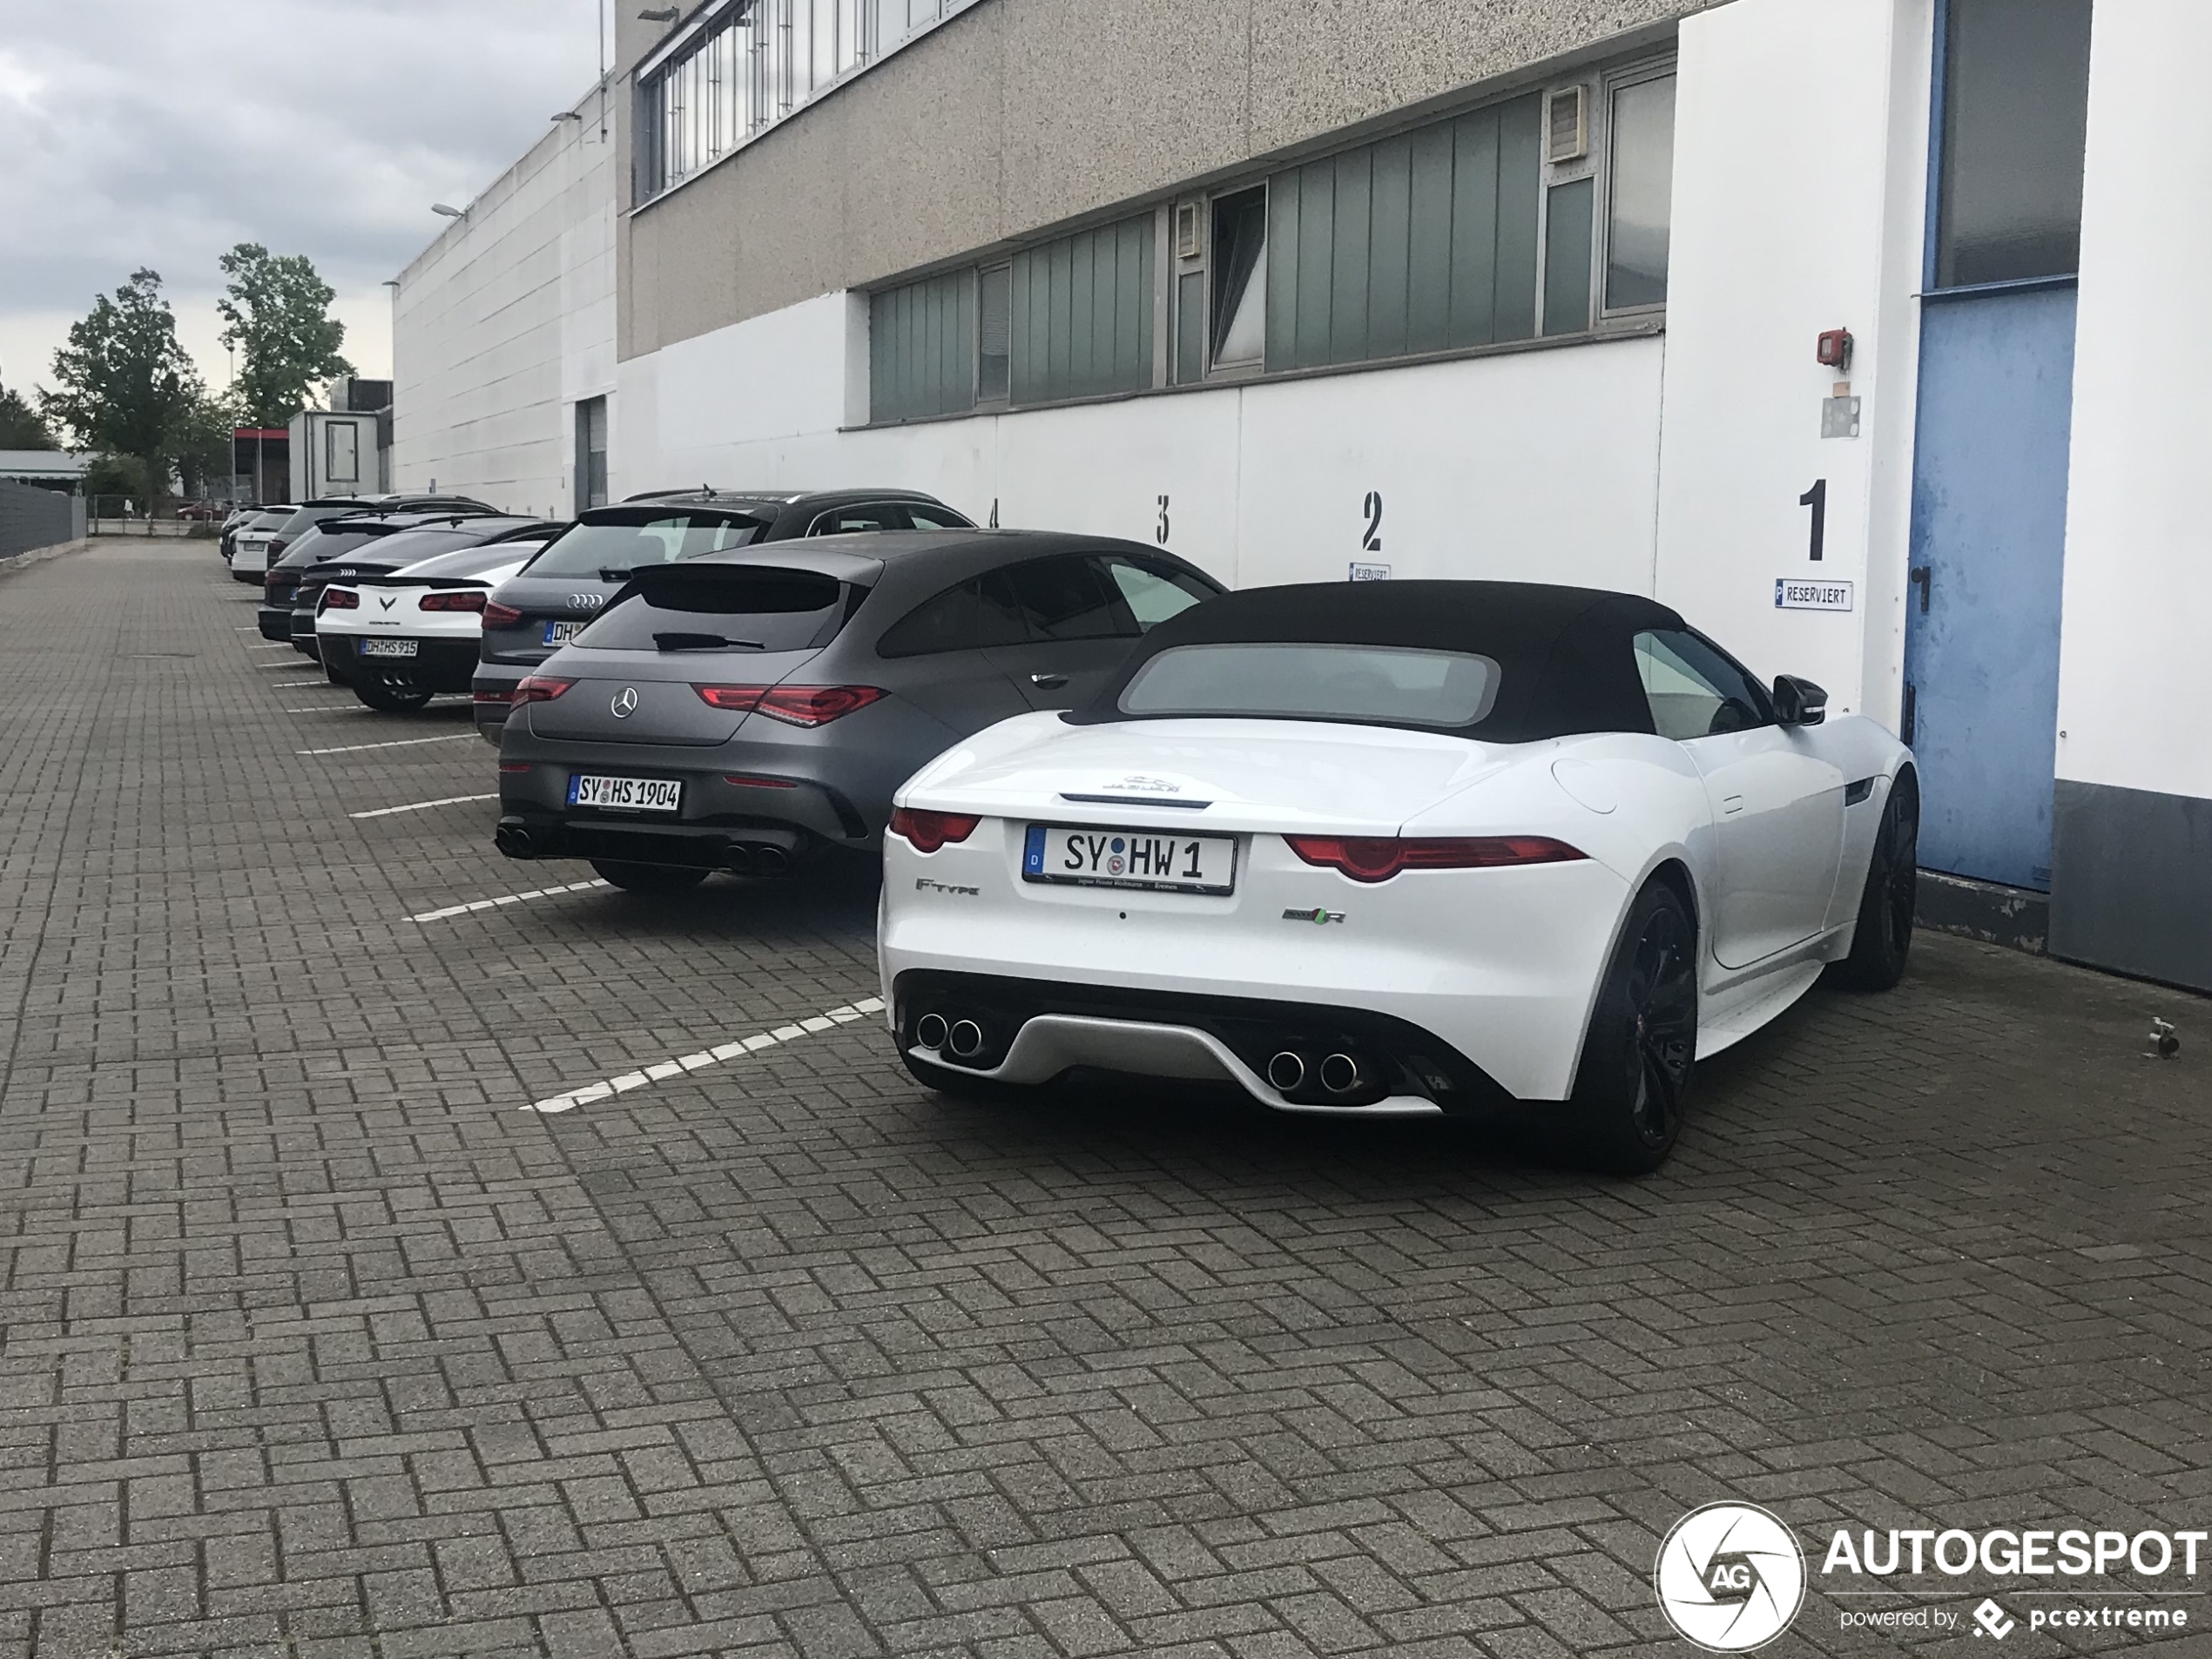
(400, 638)
(1452, 847)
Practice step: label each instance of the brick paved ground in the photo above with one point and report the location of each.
(316, 1343)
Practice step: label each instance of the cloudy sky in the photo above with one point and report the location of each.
(163, 132)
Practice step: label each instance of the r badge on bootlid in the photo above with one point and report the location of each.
(1321, 917)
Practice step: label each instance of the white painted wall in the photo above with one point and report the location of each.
(1799, 189)
(2138, 606)
(1540, 465)
(503, 324)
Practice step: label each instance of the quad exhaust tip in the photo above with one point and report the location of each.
(513, 840)
(965, 1041)
(1286, 1071)
(930, 1030)
(1342, 1074)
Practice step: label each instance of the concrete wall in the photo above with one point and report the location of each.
(1019, 114)
(31, 518)
(1538, 463)
(503, 323)
(1798, 206)
(2131, 869)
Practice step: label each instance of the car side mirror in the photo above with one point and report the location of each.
(1798, 702)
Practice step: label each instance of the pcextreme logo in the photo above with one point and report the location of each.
(1729, 1577)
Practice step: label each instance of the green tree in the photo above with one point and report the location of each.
(276, 312)
(21, 427)
(126, 386)
(204, 443)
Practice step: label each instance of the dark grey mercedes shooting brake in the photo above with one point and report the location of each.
(547, 603)
(749, 709)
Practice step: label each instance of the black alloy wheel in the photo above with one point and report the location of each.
(649, 878)
(1884, 936)
(1634, 1081)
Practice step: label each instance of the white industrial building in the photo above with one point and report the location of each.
(1852, 328)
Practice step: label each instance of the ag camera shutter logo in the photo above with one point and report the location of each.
(1729, 1577)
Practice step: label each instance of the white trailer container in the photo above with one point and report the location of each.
(332, 454)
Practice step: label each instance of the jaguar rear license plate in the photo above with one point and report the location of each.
(625, 794)
(387, 648)
(559, 633)
(1148, 858)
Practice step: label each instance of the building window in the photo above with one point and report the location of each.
(2016, 121)
(994, 334)
(591, 454)
(1418, 243)
(1082, 313)
(1239, 331)
(1639, 192)
(921, 349)
(752, 65)
(1567, 256)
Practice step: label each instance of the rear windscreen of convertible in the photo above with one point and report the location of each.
(1397, 684)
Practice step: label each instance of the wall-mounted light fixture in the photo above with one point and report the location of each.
(564, 115)
(659, 14)
(449, 212)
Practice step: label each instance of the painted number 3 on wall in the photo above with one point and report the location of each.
(1160, 534)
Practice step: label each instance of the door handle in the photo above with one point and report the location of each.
(1047, 681)
(1912, 711)
(1924, 576)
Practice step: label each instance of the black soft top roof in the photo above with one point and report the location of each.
(1565, 656)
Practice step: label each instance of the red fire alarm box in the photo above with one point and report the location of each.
(1834, 349)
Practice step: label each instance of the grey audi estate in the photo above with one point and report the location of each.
(747, 709)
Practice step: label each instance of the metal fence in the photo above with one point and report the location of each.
(31, 518)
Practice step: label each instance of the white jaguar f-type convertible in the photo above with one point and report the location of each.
(1388, 849)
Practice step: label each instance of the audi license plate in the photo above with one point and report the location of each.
(625, 794)
(387, 648)
(1149, 859)
(559, 633)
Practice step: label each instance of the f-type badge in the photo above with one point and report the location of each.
(626, 703)
(1320, 918)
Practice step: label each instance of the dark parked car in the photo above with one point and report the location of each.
(563, 586)
(408, 539)
(746, 710)
(247, 567)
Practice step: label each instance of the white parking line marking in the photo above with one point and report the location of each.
(421, 805)
(333, 708)
(507, 899)
(293, 685)
(396, 743)
(736, 1049)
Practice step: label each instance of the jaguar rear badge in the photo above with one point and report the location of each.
(626, 703)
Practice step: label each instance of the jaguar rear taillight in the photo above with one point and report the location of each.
(461, 601)
(339, 599)
(1377, 858)
(929, 831)
(500, 615)
(540, 688)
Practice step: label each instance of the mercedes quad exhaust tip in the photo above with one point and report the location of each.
(737, 860)
(1286, 1071)
(768, 860)
(930, 1030)
(514, 841)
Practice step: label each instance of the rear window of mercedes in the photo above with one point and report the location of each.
(743, 609)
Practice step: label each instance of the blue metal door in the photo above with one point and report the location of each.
(1981, 638)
